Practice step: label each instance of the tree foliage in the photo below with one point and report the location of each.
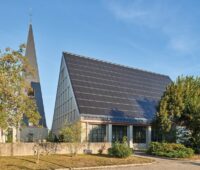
(71, 133)
(180, 106)
(15, 104)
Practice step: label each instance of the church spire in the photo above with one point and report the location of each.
(35, 79)
(31, 54)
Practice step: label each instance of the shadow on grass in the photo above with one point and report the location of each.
(34, 162)
(27, 160)
(100, 155)
(54, 163)
(106, 156)
(19, 167)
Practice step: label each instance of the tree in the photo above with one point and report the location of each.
(71, 133)
(180, 106)
(44, 148)
(15, 104)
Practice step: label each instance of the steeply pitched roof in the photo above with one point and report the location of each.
(103, 88)
(31, 54)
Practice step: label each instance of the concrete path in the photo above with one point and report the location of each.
(164, 164)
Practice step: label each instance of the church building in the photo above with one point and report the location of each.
(110, 100)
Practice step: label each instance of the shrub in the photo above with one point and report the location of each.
(171, 150)
(120, 150)
(102, 149)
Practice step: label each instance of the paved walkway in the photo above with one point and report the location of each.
(164, 164)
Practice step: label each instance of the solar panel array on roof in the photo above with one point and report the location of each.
(103, 88)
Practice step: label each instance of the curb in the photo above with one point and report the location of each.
(107, 166)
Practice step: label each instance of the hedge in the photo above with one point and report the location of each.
(172, 150)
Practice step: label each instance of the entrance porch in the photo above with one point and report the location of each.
(138, 137)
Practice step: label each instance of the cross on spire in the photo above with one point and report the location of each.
(30, 15)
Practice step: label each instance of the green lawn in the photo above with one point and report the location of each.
(64, 161)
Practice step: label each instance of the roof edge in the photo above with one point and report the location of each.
(121, 65)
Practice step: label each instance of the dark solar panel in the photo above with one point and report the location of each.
(103, 88)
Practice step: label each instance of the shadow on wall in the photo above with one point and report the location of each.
(148, 107)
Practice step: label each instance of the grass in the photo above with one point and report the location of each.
(195, 157)
(65, 161)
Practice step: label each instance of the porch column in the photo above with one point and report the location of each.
(148, 135)
(130, 136)
(84, 132)
(1, 136)
(87, 132)
(109, 133)
(14, 134)
(18, 134)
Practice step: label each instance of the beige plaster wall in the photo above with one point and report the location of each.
(24, 149)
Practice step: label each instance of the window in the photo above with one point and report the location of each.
(68, 92)
(118, 132)
(65, 95)
(74, 114)
(139, 134)
(31, 92)
(70, 104)
(70, 116)
(97, 133)
(62, 73)
(67, 106)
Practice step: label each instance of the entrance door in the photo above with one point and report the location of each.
(118, 132)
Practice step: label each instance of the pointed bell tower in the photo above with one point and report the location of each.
(31, 54)
(35, 79)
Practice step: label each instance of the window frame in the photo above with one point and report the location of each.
(139, 134)
(97, 133)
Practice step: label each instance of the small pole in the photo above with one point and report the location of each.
(30, 15)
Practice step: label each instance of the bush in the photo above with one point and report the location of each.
(120, 150)
(102, 149)
(171, 150)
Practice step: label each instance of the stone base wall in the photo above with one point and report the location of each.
(25, 149)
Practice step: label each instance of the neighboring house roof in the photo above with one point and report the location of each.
(108, 89)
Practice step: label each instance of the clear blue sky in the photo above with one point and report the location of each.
(155, 35)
